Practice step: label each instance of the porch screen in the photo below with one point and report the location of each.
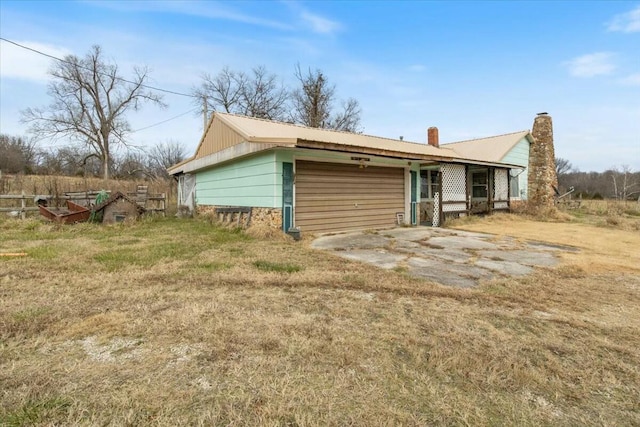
(501, 189)
(454, 187)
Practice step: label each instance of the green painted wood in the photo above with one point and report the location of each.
(414, 197)
(519, 155)
(251, 181)
(287, 196)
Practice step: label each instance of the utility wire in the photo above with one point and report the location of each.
(86, 68)
(167, 120)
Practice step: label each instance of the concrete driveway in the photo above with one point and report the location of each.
(449, 257)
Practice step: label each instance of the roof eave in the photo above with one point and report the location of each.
(484, 163)
(229, 154)
(172, 170)
(529, 137)
(320, 145)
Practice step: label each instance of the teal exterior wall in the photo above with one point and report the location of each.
(415, 167)
(254, 181)
(519, 155)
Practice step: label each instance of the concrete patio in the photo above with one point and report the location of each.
(449, 257)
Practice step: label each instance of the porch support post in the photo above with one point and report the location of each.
(509, 190)
(490, 188)
(440, 191)
(467, 189)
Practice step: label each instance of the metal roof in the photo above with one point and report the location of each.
(266, 131)
(269, 134)
(491, 149)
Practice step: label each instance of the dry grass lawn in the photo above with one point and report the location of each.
(169, 322)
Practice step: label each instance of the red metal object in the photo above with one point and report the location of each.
(73, 213)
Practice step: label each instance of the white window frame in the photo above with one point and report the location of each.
(430, 186)
(514, 187)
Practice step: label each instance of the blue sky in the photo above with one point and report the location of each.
(473, 69)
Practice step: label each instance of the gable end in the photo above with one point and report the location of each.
(219, 136)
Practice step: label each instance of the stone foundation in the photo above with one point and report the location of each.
(205, 210)
(226, 215)
(271, 217)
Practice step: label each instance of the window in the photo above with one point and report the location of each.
(433, 184)
(479, 184)
(424, 184)
(428, 184)
(514, 186)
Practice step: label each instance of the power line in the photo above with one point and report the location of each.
(167, 120)
(86, 68)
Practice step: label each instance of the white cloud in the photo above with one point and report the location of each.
(631, 80)
(20, 63)
(208, 9)
(626, 22)
(590, 65)
(320, 24)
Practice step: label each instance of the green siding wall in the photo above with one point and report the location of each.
(253, 181)
(519, 155)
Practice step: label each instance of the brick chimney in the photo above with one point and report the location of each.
(432, 137)
(542, 179)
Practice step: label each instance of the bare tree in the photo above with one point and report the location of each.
(258, 94)
(563, 166)
(313, 104)
(222, 92)
(69, 160)
(90, 103)
(164, 155)
(18, 154)
(624, 184)
(263, 97)
(349, 118)
(131, 164)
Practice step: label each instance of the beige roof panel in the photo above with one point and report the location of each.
(492, 149)
(267, 134)
(259, 130)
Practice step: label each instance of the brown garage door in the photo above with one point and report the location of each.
(332, 196)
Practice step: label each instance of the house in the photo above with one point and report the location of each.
(319, 180)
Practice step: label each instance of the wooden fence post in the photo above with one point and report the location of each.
(23, 205)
